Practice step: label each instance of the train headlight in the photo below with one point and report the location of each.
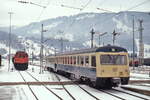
(120, 73)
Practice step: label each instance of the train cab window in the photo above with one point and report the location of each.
(113, 59)
(86, 60)
(93, 61)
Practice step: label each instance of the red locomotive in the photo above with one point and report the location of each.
(20, 60)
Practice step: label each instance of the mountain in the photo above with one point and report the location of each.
(76, 29)
(19, 43)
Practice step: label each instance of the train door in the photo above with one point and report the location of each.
(93, 61)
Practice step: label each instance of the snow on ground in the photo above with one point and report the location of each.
(99, 94)
(22, 92)
(46, 76)
(134, 93)
(138, 87)
(135, 76)
(60, 91)
(6, 76)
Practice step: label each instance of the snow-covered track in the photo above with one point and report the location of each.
(139, 81)
(146, 92)
(58, 82)
(29, 86)
(36, 83)
(130, 94)
(145, 85)
(75, 83)
(64, 87)
(112, 94)
(123, 95)
(89, 93)
(42, 85)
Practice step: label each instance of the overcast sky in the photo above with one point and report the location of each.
(27, 13)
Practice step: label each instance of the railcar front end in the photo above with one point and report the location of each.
(112, 69)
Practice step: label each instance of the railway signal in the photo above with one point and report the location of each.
(92, 36)
(114, 36)
(100, 34)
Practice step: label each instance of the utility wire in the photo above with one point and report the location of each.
(80, 10)
(135, 6)
(86, 4)
(138, 4)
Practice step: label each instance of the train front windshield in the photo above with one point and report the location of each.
(113, 59)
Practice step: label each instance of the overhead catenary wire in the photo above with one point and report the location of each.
(135, 6)
(115, 14)
(80, 10)
(41, 13)
(86, 4)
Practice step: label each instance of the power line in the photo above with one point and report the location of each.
(105, 10)
(135, 6)
(71, 7)
(86, 4)
(80, 10)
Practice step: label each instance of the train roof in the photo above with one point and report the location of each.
(21, 52)
(107, 48)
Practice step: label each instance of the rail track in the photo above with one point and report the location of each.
(29, 86)
(121, 91)
(58, 82)
(42, 85)
(139, 81)
(79, 87)
(145, 92)
(123, 95)
(75, 83)
(113, 94)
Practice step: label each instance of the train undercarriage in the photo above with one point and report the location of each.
(99, 82)
(21, 67)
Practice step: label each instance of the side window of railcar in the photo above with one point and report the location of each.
(65, 60)
(68, 60)
(74, 60)
(71, 60)
(86, 60)
(93, 61)
(78, 59)
(82, 60)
